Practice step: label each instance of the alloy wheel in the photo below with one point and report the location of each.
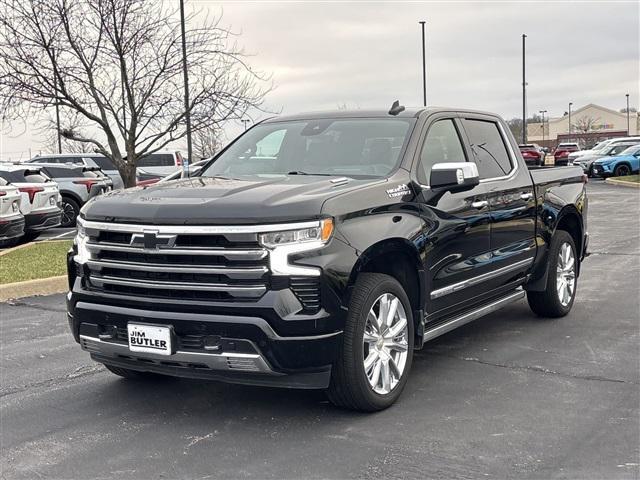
(566, 274)
(68, 214)
(385, 343)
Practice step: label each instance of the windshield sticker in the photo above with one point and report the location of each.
(399, 191)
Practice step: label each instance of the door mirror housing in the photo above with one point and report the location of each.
(455, 177)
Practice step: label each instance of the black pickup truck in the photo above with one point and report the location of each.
(319, 251)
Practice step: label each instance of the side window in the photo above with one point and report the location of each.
(488, 147)
(441, 145)
(104, 163)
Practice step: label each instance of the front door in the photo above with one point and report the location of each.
(457, 225)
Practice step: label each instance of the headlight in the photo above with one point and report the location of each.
(288, 242)
(80, 242)
(318, 233)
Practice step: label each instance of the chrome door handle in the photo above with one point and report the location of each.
(526, 196)
(480, 204)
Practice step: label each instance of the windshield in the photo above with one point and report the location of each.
(355, 147)
(630, 150)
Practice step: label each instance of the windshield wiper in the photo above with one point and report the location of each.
(300, 172)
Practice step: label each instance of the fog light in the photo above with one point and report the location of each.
(212, 342)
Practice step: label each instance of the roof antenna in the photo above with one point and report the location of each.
(396, 108)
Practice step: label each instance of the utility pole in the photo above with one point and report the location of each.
(245, 121)
(542, 112)
(570, 103)
(628, 123)
(424, 64)
(524, 92)
(187, 107)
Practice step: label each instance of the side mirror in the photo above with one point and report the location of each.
(454, 177)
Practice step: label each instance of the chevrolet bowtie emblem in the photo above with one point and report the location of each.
(150, 239)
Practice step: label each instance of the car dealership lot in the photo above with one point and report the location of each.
(509, 395)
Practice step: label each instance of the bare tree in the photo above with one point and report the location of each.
(207, 142)
(117, 63)
(50, 133)
(586, 124)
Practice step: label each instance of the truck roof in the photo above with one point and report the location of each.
(409, 112)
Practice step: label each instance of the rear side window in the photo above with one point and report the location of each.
(488, 148)
(13, 177)
(58, 172)
(441, 145)
(104, 163)
(157, 160)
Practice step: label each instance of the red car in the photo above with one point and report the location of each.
(532, 154)
(562, 151)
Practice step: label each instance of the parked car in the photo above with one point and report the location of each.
(587, 161)
(532, 154)
(601, 146)
(77, 185)
(86, 159)
(40, 198)
(624, 163)
(325, 265)
(562, 151)
(159, 164)
(11, 219)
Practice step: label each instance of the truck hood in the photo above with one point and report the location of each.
(211, 201)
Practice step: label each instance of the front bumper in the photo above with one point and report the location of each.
(36, 222)
(12, 227)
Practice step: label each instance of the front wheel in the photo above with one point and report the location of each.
(622, 171)
(557, 299)
(374, 358)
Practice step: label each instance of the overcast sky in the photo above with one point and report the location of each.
(367, 54)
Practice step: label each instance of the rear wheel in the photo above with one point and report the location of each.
(622, 170)
(557, 299)
(70, 211)
(374, 359)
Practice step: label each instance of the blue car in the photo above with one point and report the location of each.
(624, 163)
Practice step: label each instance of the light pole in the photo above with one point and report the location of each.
(570, 103)
(543, 112)
(245, 121)
(187, 107)
(628, 124)
(524, 93)
(424, 65)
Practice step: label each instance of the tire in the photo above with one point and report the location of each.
(622, 170)
(70, 212)
(131, 374)
(29, 237)
(551, 302)
(350, 385)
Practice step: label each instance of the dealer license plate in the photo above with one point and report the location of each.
(149, 339)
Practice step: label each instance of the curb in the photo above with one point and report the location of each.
(29, 288)
(622, 183)
(24, 245)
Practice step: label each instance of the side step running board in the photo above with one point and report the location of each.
(465, 318)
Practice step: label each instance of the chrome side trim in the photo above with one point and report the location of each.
(236, 291)
(236, 273)
(195, 229)
(252, 254)
(441, 292)
(470, 316)
(226, 361)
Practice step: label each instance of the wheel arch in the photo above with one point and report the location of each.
(399, 258)
(73, 196)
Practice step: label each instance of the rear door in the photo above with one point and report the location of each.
(457, 224)
(511, 197)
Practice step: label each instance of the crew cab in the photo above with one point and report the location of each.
(320, 250)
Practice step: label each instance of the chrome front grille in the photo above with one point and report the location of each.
(190, 266)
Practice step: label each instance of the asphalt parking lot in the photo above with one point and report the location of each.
(507, 396)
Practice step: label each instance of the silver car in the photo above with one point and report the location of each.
(40, 198)
(86, 159)
(77, 185)
(11, 219)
